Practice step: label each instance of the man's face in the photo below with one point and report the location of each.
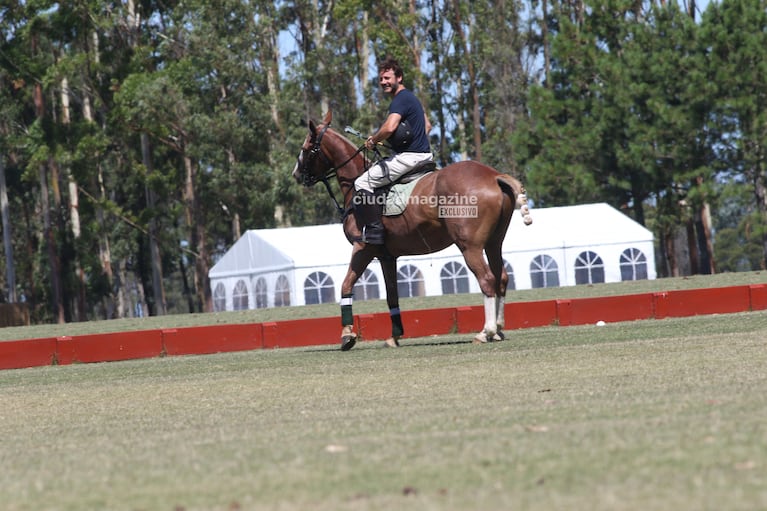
(388, 82)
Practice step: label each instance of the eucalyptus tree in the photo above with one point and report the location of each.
(506, 48)
(21, 230)
(10, 112)
(29, 48)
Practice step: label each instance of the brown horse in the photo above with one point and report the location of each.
(427, 225)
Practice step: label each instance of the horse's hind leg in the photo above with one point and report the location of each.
(487, 283)
(389, 269)
(495, 261)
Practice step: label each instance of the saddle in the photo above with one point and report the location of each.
(398, 193)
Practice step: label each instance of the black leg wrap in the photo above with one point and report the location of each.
(347, 317)
(397, 330)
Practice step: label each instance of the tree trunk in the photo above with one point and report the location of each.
(671, 259)
(363, 50)
(74, 212)
(436, 34)
(158, 290)
(319, 30)
(270, 56)
(760, 190)
(10, 270)
(692, 246)
(546, 44)
(57, 302)
(185, 284)
(97, 183)
(196, 227)
(473, 90)
(705, 246)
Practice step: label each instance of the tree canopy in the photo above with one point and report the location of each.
(138, 139)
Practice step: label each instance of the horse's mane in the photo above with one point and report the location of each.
(343, 138)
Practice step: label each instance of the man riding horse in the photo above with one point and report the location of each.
(406, 129)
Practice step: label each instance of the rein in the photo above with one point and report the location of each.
(332, 173)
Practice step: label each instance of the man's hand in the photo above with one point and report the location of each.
(370, 143)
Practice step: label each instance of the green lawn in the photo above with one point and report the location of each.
(652, 415)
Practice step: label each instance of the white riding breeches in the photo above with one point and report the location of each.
(389, 170)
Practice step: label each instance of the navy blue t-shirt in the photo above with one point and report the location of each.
(409, 107)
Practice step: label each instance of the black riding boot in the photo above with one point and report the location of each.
(367, 211)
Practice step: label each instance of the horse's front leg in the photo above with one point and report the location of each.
(389, 269)
(361, 257)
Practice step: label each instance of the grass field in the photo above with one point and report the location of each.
(653, 415)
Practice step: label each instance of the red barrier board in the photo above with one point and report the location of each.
(109, 347)
(27, 353)
(758, 297)
(585, 311)
(693, 302)
(417, 323)
(212, 339)
(530, 314)
(372, 327)
(470, 319)
(425, 322)
(301, 332)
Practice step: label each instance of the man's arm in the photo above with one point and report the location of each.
(385, 131)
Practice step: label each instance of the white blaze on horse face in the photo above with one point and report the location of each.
(297, 168)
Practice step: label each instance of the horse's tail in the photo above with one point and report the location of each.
(514, 188)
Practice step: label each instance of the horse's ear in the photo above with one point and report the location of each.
(312, 127)
(328, 118)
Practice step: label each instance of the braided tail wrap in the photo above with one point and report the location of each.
(519, 192)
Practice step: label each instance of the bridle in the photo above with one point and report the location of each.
(304, 159)
(309, 179)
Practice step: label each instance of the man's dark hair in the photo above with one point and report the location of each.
(390, 63)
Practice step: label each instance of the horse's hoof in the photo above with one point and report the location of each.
(499, 336)
(480, 338)
(348, 342)
(391, 342)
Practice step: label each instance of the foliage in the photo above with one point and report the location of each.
(138, 144)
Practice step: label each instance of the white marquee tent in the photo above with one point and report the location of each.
(564, 246)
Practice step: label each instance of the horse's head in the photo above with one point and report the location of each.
(313, 164)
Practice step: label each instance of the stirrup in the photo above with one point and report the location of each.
(373, 235)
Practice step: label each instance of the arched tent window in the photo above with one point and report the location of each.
(318, 288)
(455, 278)
(282, 292)
(510, 272)
(366, 287)
(219, 298)
(262, 294)
(544, 272)
(410, 281)
(589, 268)
(240, 296)
(633, 265)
